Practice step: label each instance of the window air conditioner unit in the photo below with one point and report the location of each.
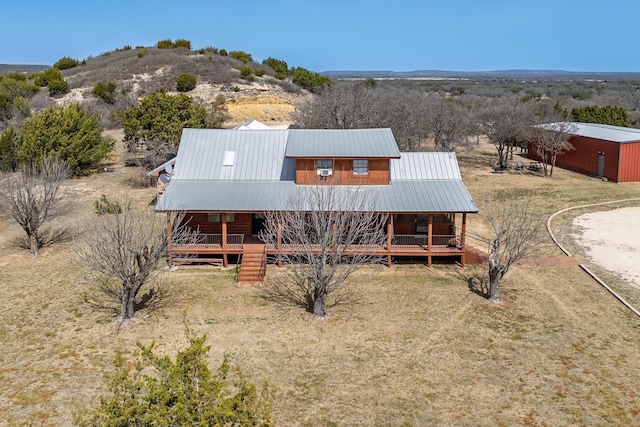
(325, 172)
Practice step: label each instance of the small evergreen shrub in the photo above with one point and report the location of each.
(142, 52)
(240, 55)
(105, 91)
(259, 72)
(186, 82)
(182, 43)
(246, 73)
(106, 206)
(165, 44)
(65, 63)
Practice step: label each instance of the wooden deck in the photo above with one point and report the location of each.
(407, 248)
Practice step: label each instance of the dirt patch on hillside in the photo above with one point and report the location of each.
(270, 110)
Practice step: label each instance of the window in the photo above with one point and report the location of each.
(360, 167)
(324, 164)
(216, 217)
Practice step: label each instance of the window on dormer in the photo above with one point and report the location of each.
(360, 167)
(324, 164)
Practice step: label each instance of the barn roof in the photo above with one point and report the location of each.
(240, 170)
(334, 143)
(618, 134)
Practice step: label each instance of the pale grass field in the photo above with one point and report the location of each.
(415, 348)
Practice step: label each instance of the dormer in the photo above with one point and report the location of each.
(346, 157)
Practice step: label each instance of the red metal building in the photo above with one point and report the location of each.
(610, 152)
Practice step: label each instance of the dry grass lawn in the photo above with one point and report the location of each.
(416, 348)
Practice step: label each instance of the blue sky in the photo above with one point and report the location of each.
(400, 35)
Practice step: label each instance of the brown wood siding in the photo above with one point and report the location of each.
(630, 162)
(241, 225)
(379, 174)
(584, 158)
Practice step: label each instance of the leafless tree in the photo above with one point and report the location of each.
(128, 247)
(450, 124)
(32, 197)
(515, 235)
(507, 125)
(350, 105)
(550, 141)
(326, 232)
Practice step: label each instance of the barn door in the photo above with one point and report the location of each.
(600, 165)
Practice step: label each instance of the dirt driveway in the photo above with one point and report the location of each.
(612, 240)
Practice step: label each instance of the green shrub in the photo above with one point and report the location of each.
(223, 52)
(208, 49)
(182, 43)
(67, 132)
(246, 73)
(58, 87)
(161, 117)
(105, 91)
(259, 72)
(65, 63)
(8, 150)
(183, 392)
(308, 80)
(240, 55)
(142, 52)
(106, 206)
(235, 89)
(165, 44)
(186, 82)
(608, 115)
(280, 67)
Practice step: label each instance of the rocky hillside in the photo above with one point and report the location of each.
(140, 71)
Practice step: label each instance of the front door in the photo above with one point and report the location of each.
(600, 165)
(257, 223)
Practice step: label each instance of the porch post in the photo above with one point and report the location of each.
(279, 244)
(169, 243)
(389, 238)
(464, 230)
(429, 239)
(224, 238)
(462, 238)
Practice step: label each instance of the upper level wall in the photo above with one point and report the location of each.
(378, 174)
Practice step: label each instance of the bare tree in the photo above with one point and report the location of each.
(357, 105)
(325, 233)
(127, 247)
(450, 124)
(515, 227)
(550, 141)
(507, 126)
(32, 197)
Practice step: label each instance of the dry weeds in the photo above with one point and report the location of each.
(418, 348)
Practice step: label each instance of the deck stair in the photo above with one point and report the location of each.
(253, 264)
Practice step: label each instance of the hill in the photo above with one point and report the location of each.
(141, 71)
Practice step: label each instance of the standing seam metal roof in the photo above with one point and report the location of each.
(618, 134)
(334, 143)
(262, 178)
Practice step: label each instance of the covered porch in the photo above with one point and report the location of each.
(409, 235)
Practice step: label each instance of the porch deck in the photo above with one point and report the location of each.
(409, 246)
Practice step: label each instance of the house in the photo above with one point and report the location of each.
(604, 151)
(225, 181)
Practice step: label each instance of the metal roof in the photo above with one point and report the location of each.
(618, 134)
(260, 196)
(258, 155)
(433, 165)
(334, 143)
(252, 124)
(258, 177)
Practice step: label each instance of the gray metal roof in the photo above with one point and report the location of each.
(259, 178)
(334, 143)
(433, 165)
(261, 196)
(618, 134)
(258, 155)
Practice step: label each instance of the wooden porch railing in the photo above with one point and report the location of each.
(413, 240)
(234, 241)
